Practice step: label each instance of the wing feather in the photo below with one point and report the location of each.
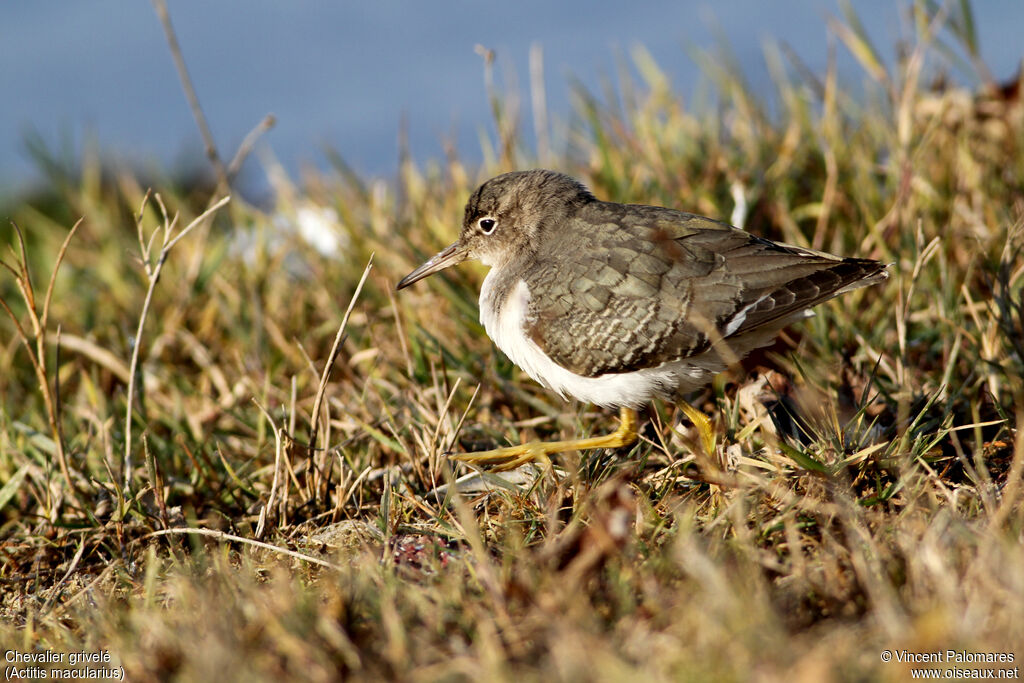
(636, 287)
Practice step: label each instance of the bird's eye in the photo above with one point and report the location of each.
(487, 225)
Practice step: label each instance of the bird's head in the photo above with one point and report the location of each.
(506, 217)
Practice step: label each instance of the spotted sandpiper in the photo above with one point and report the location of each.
(616, 304)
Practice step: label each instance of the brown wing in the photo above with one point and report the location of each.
(637, 287)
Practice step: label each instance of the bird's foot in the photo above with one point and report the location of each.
(511, 457)
(702, 422)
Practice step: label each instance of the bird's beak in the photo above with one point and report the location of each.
(456, 253)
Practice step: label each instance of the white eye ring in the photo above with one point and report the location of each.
(487, 225)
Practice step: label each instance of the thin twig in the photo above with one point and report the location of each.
(268, 122)
(154, 277)
(190, 93)
(195, 223)
(221, 536)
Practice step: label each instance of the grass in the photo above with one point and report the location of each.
(862, 491)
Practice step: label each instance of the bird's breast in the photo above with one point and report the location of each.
(504, 310)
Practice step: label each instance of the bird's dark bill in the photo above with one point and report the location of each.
(449, 257)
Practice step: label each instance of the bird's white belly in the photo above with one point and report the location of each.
(506, 327)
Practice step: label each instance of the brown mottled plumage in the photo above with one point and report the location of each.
(616, 304)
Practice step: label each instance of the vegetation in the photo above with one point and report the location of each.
(861, 490)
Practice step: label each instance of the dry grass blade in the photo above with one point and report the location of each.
(333, 355)
(37, 352)
(854, 35)
(268, 508)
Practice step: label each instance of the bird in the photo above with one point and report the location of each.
(619, 304)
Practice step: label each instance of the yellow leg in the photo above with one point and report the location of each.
(512, 457)
(703, 424)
